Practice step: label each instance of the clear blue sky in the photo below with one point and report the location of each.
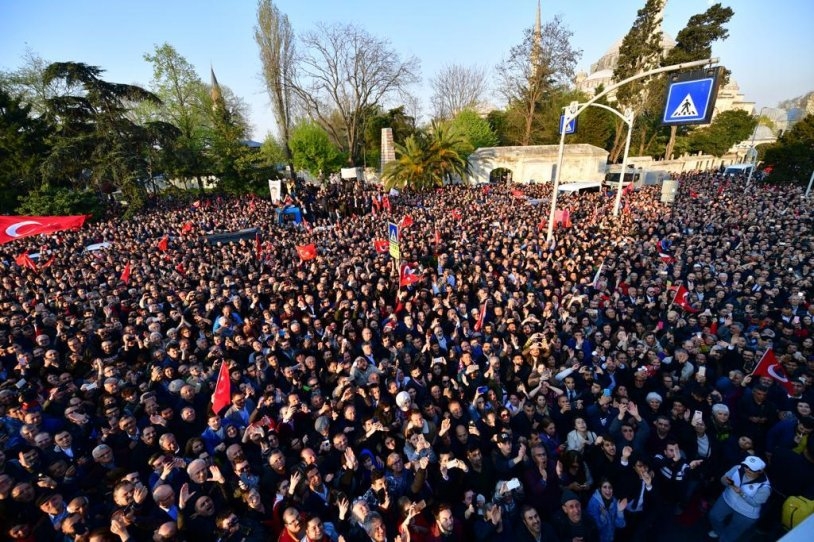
(769, 50)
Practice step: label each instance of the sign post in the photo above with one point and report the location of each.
(691, 98)
(393, 237)
(571, 128)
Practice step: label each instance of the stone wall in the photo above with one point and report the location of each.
(538, 163)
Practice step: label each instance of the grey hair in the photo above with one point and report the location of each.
(369, 521)
(720, 407)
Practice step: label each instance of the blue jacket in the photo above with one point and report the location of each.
(607, 518)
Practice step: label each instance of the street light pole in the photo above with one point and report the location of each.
(568, 115)
(752, 148)
(810, 182)
(629, 121)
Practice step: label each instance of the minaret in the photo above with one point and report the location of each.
(659, 28)
(215, 92)
(537, 39)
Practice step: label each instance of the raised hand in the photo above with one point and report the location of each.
(217, 475)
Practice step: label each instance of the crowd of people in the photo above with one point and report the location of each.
(511, 389)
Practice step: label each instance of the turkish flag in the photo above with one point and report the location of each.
(164, 244)
(407, 277)
(307, 252)
(518, 193)
(666, 258)
(125, 278)
(222, 395)
(681, 300)
(768, 366)
(381, 245)
(49, 262)
(628, 189)
(186, 228)
(486, 189)
(17, 227)
(481, 318)
(24, 260)
(437, 237)
(258, 247)
(406, 222)
(456, 214)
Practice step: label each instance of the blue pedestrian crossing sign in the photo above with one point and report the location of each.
(691, 101)
(572, 125)
(393, 237)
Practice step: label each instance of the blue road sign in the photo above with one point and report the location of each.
(572, 126)
(393, 232)
(690, 102)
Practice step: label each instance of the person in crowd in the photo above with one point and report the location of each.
(348, 381)
(747, 488)
(607, 511)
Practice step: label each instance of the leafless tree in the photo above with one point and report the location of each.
(345, 70)
(456, 88)
(536, 66)
(275, 40)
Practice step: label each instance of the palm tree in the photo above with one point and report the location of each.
(425, 162)
(410, 169)
(446, 153)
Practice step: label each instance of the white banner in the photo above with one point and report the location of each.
(276, 190)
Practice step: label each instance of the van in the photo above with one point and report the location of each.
(738, 169)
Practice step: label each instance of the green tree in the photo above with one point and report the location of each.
(694, 42)
(313, 150)
(53, 200)
(184, 104)
(640, 51)
(22, 147)
(410, 169)
(728, 128)
(95, 143)
(427, 161)
(543, 61)
(232, 160)
(499, 122)
(474, 130)
(792, 156)
(27, 83)
(397, 119)
(275, 41)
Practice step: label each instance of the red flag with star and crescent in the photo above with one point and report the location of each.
(407, 276)
(222, 395)
(681, 299)
(17, 227)
(307, 252)
(164, 244)
(381, 245)
(768, 366)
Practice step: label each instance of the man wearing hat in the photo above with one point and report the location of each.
(571, 524)
(738, 508)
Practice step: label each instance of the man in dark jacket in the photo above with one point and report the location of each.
(532, 528)
(571, 523)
